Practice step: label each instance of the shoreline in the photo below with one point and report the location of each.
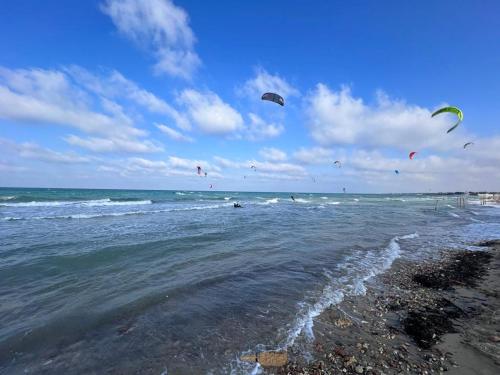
(421, 317)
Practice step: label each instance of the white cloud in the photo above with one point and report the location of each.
(337, 117)
(32, 151)
(272, 154)
(263, 168)
(226, 163)
(258, 129)
(265, 82)
(161, 26)
(190, 164)
(115, 85)
(141, 164)
(53, 98)
(46, 96)
(314, 155)
(210, 113)
(286, 168)
(97, 144)
(458, 171)
(174, 134)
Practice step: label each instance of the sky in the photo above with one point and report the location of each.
(136, 94)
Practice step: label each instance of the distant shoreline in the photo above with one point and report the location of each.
(473, 193)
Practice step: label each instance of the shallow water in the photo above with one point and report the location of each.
(146, 281)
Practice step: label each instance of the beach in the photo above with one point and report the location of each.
(425, 317)
(181, 282)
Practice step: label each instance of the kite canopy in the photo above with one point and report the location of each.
(338, 163)
(412, 154)
(396, 171)
(468, 144)
(454, 110)
(272, 97)
(254, 168)
(199, 169)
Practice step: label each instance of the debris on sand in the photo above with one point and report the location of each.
(267, 359)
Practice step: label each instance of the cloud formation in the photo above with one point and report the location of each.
(160, 26)
(272, 154)
(32, 151)
(314, 155)
(337, 117)
(210, 113)
(266, 82)
(174, 134)
(258, 129)
(52, 97)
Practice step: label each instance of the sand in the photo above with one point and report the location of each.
(428, 317)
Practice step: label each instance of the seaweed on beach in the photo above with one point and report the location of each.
(466, 268)
(428, 324)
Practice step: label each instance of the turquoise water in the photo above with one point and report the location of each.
(127, 281)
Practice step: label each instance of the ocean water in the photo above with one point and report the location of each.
(181, 282)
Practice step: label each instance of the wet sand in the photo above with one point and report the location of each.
(436, 316)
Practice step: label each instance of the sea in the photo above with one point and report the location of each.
(182, 282)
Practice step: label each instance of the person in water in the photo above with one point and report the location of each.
(236, 205)
(293, 199)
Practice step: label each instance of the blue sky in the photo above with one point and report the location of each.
(136, 94)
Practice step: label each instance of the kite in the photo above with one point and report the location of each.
(412, 154)
(199, 170)
(205, 174)
(454, 110)
(338, 163)
(253, 167)
(274, 98)
(343, 189)
(468, 144)
(210, 186)
(396, 171)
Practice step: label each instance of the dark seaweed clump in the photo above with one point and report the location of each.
(427, 325)
(466, 268)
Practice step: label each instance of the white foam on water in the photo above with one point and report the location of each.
(179, 193)
(356, 200)
(227, 198)
(334, 203)
(301, 200)
(7, 197)
(333, 293)
(271, 201)
(116, 214)
(116, 203)
(453, 214)
(324, 197)
(88, 203)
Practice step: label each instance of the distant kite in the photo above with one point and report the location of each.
(206, 174)
(338, 163)
(272, 97)
(210, 186)
(454, 110)
(412, 154)
(253, 167)
(199, 170)
(468, 144)
(343, 189)
(396, 171)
